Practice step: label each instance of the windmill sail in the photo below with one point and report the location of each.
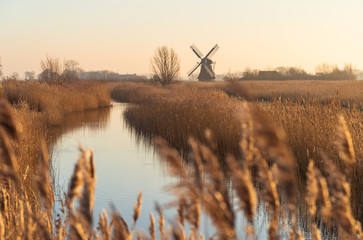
(212, 51)
(196, 51)
(193, 69)
(209, 70)
(206, 69)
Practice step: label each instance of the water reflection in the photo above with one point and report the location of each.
(123, 167)
(96, 120)
(126, 163)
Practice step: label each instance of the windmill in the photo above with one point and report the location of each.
(206, 70)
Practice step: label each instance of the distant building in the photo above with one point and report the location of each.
(266, 75)
(49, 76)
(109, 76)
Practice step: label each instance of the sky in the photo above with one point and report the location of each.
(122, 36)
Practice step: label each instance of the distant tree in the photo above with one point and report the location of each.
(249, 74)
(165, 65)
(332, 72)
(29, 75)
(71, 70)
(14, 75)
(51, 70)
(232, 76)
(292, 73)
(350, 72)
(325, 68)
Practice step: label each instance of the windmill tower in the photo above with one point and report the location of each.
(206, 69)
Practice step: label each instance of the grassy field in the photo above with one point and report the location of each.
(301, 148)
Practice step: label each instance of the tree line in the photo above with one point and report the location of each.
(55, 71)
(322, 72)
(165, 67)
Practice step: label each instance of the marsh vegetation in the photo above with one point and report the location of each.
(299, 153)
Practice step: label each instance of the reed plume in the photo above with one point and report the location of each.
(171, 156)
(137, 207)
(120, 227)
(269, 195)
(340, 200)
(312, 189)
(344, 143)
(103, 225)
(178, 232)
(76, 184)
(43, 180)
(215, 199)
(8, 132)
(82, 187)
(242, 184)
(161, 221)
(152, 227)
(271, 143)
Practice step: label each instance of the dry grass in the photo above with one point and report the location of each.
(56, 101)
(312, 127)
(175, 113)
(345, 91)
(265, 89)
(313, 117)
(268, 147)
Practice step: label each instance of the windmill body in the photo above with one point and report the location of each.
(206, 64)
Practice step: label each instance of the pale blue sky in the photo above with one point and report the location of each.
(122, 35)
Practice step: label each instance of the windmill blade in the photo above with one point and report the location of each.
(196, 51)
(208, 69)
(193, 69)
(212, 51)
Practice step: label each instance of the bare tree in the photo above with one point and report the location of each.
(165, 65)
(51, 70)
(71, 70)
(232, 76)
(29, 75)
(14, 75)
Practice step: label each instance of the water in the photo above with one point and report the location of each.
(124, 166)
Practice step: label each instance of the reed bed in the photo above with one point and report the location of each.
(323, 90)
(130, 92)
(202, 187)
(279, 141)
(175, 113)
(56, 101)
(308, 122)
(347, 92)
(40, 111)
(311, 128)
(188, 109)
